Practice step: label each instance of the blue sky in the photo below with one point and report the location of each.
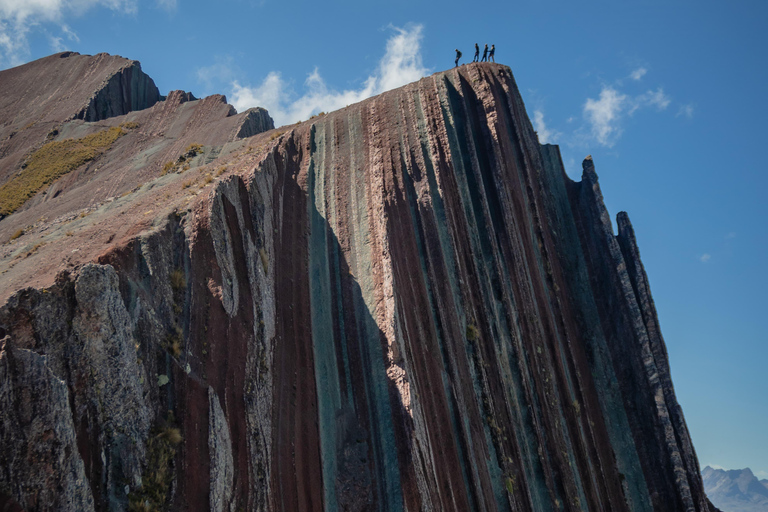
(668, 97)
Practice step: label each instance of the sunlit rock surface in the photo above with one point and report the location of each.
(401, 305)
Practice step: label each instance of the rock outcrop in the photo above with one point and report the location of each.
(40, 96)
(257, 120)
(401, 305)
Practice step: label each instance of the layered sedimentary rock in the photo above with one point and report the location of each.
(41, 95)
(401, 305)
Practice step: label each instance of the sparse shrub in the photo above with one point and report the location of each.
(17, 234)
(576, 406)
(221, 170)
(178, 281)
(208, 178)
(157, 476)
(130, 125)
(50, 162)
(34, 249)
(510, 485)
(193, 150)
(167, 167)
(172, 435)
(174, 341)
(472, 333)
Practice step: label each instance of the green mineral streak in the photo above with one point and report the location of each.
(326, 371)
(376, 384)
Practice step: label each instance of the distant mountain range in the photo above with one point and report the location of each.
(735, 490)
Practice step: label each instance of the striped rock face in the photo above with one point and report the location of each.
(402, 305)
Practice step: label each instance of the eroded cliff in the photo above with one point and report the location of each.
(401, 305)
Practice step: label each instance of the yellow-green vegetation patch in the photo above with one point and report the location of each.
(190, 152)
(193, 150)
(158, 474)
(50, 162)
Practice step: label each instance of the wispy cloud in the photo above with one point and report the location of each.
(638, 73)
(168, 5)
(222, 71)
(603, 115)
(685, 110)
(655, 98)
(400, 65)
(546, 136)
(704, 258)
(19, 19)
(761, 474)
(731, 235)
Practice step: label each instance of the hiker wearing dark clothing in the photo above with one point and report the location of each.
(458, 56)
(490, 55)
(477, 53)
(485, 54)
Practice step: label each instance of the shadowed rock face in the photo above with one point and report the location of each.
(401, 305)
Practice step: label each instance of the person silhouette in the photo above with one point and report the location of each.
(485, 54)
(458, 56)
(490, 55)
(477, 53)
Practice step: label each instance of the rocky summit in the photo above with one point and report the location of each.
(402, 305)
(735, 490)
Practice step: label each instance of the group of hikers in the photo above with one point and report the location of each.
(487, 55)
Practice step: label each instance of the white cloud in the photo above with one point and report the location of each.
(222, 71)
(704, 258)
(655, 98)
(638, 73)
(761, 474)
(168, 5)
(401, 64)
(603, 115)
(685, 110)
(20, 18)
(56, 44)
(546, 136)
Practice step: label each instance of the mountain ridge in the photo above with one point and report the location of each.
(735, 490)
(401, 305)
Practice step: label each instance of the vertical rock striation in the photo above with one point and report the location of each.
(401, 305)
(126, 90)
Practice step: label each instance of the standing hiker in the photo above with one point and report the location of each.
(490, 55)
(485, 54)
(458, 56)
(477, 53)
